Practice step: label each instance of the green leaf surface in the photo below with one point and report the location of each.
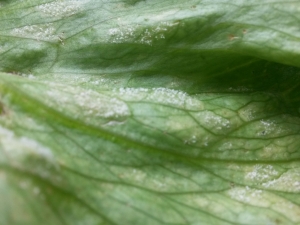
(149, 112)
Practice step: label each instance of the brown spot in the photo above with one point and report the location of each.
(231, 37)
(193, 7)
(244, 31)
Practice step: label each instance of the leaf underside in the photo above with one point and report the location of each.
(149, 112)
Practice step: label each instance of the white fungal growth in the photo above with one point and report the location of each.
(191, 140)
(226, 146)
(14, 148)
(245, 194)
(213, 121)
(29, 76)
(268, 177)
(288, 181)
(99, 81)
(261, 173)
(122, 34)
(267, 127)
(216, 120)
(135, 33)
(260, 198)
(131, 94)
(132, 174)
(86, 104)
(59, 8)
(45, 32)
(164, 96)
(273, 150)
(247, 113)
(168, 96)
(164, 15)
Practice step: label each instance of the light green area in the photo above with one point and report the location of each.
(149, 112)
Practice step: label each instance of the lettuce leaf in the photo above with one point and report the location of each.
(149, 112)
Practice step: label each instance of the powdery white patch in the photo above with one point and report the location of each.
(217, 121)
(132, 94)
(261, 173)
(168, 96)
(100, 81)
(85, 103)
(273, 151)
(226, 146)
(245, 194)
(60, 8)
(268, 200)
(192, 140)
(213, 121)
(164, 15)
(247, 114)
(45, 32)
(113, 123)
(268, 127)
(162, 183)
(164, 96)
(203, 202)
(17, 148)
(177, 123)
(141, 177)
(122, 34)
(288, 181)
(29, 76)
(182, 127)
(135, 33)
(131, 174)
(268, 177)
(287, 208)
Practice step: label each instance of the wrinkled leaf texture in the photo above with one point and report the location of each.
(149, 112)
